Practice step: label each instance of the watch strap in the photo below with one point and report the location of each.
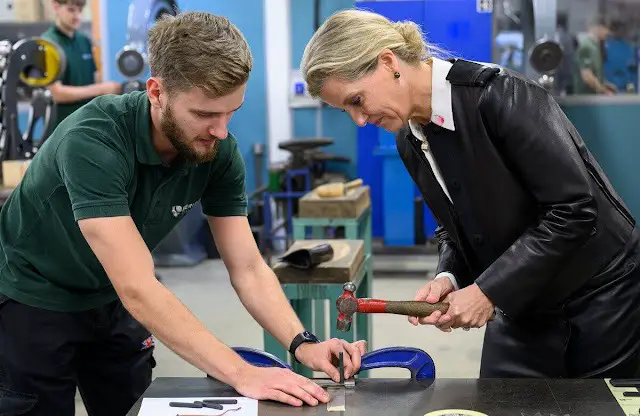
(301, 338)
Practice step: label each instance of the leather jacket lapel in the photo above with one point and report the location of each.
(429, 187)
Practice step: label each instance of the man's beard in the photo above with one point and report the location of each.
(182, 144)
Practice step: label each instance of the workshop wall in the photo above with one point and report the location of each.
(325, 121)
(609, 130)
(249, 125)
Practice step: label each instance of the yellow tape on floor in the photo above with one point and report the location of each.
(630, 405)
(455, 412)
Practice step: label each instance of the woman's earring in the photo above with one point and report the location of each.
(397, 75)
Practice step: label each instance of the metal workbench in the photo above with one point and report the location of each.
(399, 397)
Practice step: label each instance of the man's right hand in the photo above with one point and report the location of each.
(279, 384)
(432, 292)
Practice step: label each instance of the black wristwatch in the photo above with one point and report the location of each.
(301, 338)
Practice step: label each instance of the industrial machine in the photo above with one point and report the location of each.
(541, 42)
(306, 155)
(132, 58)
(28, 67)
(307, 168)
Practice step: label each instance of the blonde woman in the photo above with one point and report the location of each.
(534, 242)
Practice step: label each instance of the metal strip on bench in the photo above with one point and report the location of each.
(338, 402)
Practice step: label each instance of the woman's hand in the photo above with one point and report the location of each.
(468, 308)
(432, 292)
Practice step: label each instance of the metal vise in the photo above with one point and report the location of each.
(348, 304)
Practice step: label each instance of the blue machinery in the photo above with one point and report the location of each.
(290, 196)
(288, 182)
(464, 29)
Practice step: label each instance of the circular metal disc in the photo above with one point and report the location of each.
(546, 56)
(130, 63)
(162, 7)
(46, 70)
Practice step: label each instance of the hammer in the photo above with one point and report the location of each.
(332, 190)
(348, 304)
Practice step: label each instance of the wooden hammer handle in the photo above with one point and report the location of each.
(415, 308)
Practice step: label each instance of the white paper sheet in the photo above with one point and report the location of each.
(629, 405)
(160, 407)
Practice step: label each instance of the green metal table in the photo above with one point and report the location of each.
(355, 228)
(310, 301)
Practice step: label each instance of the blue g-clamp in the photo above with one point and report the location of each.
(418, 362)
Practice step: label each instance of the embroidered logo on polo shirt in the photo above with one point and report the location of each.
(178, 210)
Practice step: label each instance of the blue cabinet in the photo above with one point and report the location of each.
(457, 27)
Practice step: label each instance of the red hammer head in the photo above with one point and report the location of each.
(347, 306)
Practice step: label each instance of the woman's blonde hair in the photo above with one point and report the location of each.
(348, 43)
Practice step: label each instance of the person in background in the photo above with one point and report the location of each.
(533, 240)
(620, 66)
(589, 73)
(80, 81)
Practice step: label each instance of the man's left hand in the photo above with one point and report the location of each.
(323, 356)
(468, 308)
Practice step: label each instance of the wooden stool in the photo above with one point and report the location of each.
(312, 291)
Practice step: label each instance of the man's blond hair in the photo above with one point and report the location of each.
(198, 49)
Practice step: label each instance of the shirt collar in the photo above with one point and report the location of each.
(59, 32)
(441, 107)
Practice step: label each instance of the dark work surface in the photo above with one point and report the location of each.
(398, 397)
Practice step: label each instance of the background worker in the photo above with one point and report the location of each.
(589, 72)
(80, 298)
(80, 81)
(529, 225)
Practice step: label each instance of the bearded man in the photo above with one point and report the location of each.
(79, 301)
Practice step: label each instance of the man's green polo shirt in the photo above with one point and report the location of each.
(100, 162)
(588, 56)
(80, 69)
